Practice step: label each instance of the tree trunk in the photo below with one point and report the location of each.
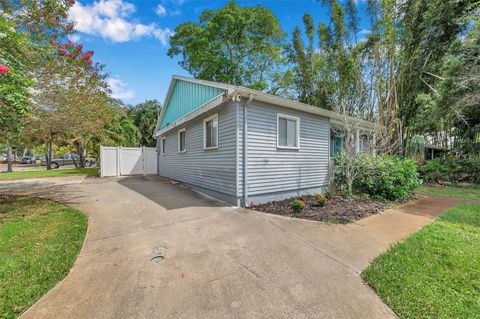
(9, 158)
(74, 161)
(48, 154)
(348, 176)
(81, 153)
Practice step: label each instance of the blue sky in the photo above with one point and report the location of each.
(131, 37)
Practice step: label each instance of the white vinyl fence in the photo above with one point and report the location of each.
(124, 161)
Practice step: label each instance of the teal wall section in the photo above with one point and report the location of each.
(186, 97)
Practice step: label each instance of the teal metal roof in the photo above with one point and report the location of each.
(185, 97)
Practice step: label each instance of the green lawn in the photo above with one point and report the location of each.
(51, 173)
(434, 273)
(39, 241)
(466, 192)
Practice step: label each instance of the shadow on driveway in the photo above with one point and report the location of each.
(168, 195)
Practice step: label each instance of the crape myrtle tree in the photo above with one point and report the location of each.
(16, 50)
(72, 100)
(69, 95)
(234, 45)
(43, 23)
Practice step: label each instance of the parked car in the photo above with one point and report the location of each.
(30, 159)
(69, 159)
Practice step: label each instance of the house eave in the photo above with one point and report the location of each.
(174, 79)
(204, 109)
(233, 92)
(335, 118)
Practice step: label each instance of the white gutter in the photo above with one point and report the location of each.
(245, 150)
(335, 117)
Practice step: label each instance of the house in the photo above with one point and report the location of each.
(244, 146)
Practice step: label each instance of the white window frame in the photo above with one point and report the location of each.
(185, 144)
(288, 117)
(214, 116)
(163, 148)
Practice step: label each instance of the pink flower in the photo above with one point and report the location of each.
(87, 55)
(63, 52)
(79, 47)
(69, 45)
(4, 69)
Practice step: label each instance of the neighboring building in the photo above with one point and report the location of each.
(244, 146)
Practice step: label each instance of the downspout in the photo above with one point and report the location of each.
(245, 148)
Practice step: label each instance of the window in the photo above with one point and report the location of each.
(182, 148)
(164, 145)
(288, 131)
(210, 132)
(335, 145)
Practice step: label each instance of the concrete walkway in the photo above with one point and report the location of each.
(220, 262)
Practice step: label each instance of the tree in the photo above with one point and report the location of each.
(119, 129)
(29, 49)
(452, 105)
(312, 74)
(234, 45)
(428, 28)
(15, 81)
(72, 99)
(144, 116)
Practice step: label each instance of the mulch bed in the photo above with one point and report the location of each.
(337, 210)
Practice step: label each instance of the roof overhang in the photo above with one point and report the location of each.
(174, 80)
(335, 118)
(204, 109)
(232, 92)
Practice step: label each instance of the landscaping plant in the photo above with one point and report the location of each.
(383, 177)
(321, 199)
(416, 148)
(450, 169)
(297, 205)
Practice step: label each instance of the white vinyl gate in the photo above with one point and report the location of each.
(124, 161)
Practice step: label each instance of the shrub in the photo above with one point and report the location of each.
(433, 171)
(321, 199)
(383, 177)
(451, 170)
(297, 205)
(388, 177)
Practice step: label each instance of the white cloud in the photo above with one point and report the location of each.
(75, 38)
(160, 10)
(110, 20)
(120, 89)
(365, 31)
(172, 5)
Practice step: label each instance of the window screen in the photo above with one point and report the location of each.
(211, 133)
(287, 132)
(181, 141)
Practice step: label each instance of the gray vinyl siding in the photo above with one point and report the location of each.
(209, 169)
(273, 170)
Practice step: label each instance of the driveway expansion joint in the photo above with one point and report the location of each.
(357, 272)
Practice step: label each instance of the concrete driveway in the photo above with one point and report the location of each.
(220, 262)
